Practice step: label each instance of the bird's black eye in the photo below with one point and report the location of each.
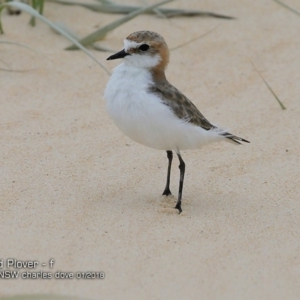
(144, 47)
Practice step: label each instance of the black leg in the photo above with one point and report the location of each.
(182, 169)
(167, 191)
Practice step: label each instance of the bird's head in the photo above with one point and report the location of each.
(144, 49)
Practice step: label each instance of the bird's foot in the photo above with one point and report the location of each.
(178, 206)
(167, 192)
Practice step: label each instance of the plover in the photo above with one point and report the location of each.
(151, 111)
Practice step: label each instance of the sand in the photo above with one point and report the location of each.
(75, 190)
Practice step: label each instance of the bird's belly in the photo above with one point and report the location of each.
(142, 117)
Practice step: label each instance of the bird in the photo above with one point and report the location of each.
(150, 110)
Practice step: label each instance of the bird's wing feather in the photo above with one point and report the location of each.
(182, 107)
(185, 110)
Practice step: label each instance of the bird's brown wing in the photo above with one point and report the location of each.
(185, 110)
(182, 107)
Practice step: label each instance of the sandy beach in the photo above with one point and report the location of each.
(74, 189)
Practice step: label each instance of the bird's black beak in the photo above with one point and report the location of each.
(120, 54)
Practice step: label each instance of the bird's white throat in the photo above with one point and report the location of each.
(140, 60)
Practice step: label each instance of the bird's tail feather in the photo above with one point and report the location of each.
(233, 138)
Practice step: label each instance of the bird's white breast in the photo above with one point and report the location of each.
(142, 115)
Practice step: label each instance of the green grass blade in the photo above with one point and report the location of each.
(42, 3)
(156, 10)
(102, 48)
(1, 28)
(100, 33)
(106, 2)
(75, 36)
(5, 64)
(195, 39)
(268, 86)
(34, 13)
(17, 44)
(67, 30)
(32, 21)
(288, 7)
(39, 6)
(112, 8)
